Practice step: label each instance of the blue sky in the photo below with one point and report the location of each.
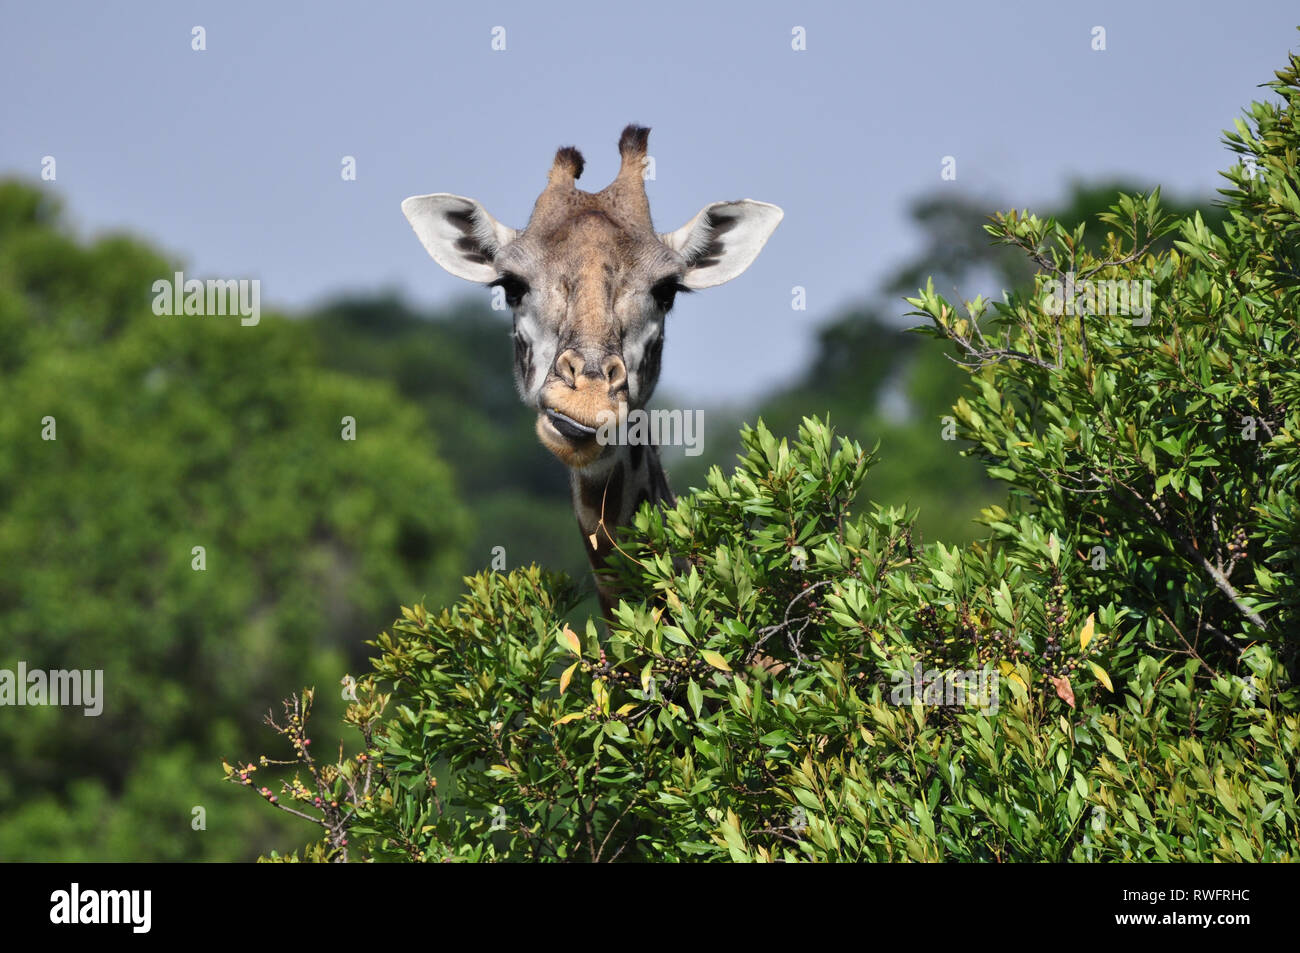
(231, 157)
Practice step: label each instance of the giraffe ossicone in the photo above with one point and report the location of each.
(590, 281)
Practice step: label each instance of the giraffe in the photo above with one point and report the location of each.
(589, 282)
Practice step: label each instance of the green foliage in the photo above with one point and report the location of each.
(1163, 446)
(882, 385)
(172, 433)
(757, 706)
(792, 678)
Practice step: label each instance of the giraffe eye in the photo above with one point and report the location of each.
(514, 286)
(665, 293)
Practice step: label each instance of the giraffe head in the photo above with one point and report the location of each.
(589, 282)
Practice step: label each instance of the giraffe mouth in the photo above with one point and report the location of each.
(574, 443)
(569, 428)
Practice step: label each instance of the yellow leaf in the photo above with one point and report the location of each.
(1101, 676)
(600, 694)
(673, 600)
(1085, 634)
(568, 718)
(569, 639)
(716, 660)
(1010, 672)
(564, 678)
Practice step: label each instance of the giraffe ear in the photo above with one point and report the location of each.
(723, 240)
(458, 233)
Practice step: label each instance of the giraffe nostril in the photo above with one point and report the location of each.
(615, 373)
(569, 366)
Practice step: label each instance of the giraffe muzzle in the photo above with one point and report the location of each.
(571, 407)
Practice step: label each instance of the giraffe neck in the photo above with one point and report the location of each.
(606, 495)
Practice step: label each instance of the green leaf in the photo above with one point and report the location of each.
(808, 799)
(694, 697)
(1113, 746)
(1002, 602)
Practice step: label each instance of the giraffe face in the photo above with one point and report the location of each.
(589, 282)
(589, 299)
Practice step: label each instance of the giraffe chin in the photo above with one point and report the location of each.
(572, 453)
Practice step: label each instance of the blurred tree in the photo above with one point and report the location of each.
(455, 364)
(174, 433)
